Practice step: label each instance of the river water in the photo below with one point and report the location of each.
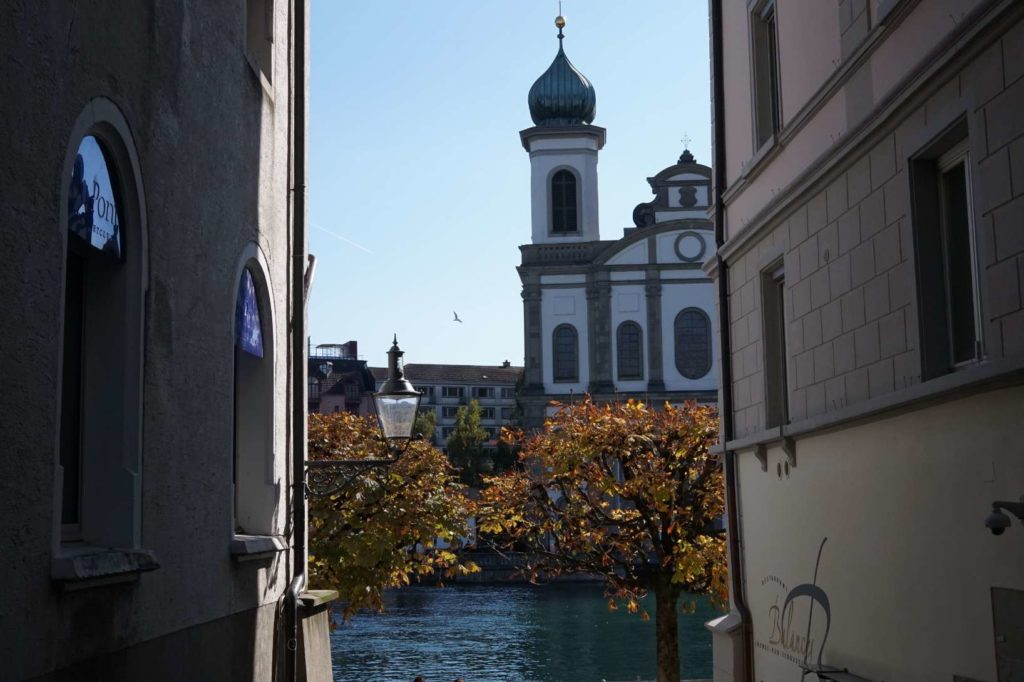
(510, 633)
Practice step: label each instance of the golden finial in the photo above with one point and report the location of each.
(560, 22)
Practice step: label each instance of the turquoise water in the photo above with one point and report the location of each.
(510, 633)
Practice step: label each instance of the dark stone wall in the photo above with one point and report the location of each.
(213, 150)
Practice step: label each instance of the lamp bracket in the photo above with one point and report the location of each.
(326, 477)
(1015, 508)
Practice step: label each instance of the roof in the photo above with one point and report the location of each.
(341, 368)
(456, 374)
(343, 379)
(562, 95)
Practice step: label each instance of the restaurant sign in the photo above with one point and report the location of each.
(799, 620)
(93, 214)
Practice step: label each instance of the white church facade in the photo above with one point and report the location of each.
(631, 317)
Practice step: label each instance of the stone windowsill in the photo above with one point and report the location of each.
(988, 375)
(79, 567)
(726, 624)
(315, 599)
(255, 547)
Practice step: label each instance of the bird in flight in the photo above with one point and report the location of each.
(456, 317)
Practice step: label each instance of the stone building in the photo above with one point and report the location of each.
(339, 381)
(153, 361)
(869, 210)
(620, 318)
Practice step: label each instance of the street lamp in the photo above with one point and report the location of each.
(396, 401)
(396, 404)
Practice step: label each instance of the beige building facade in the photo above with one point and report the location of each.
(869, 210)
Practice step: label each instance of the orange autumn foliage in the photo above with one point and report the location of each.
(622, 491)
(382, 530)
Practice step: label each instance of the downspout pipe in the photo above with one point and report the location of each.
(297, 585)
(726, 407)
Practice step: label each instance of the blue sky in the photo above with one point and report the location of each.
(419, 186)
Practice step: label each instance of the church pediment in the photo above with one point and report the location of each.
(681, 191)
(686, 242)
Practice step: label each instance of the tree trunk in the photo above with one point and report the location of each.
(666, 622)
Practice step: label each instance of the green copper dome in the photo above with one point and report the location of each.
(562, 96)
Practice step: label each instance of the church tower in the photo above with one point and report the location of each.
(626, 317)
(563, 149)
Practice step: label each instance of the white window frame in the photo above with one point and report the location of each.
(960, 154)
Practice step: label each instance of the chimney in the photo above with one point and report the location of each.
(350, 350)
(506, 364)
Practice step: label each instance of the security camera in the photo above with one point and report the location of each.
(997, 522)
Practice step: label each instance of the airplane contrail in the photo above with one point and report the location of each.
(340, 238)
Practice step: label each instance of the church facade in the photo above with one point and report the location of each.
(631, 317)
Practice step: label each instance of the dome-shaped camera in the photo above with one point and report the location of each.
(997, 522)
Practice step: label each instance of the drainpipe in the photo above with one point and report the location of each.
(725, 411)
(297, 84)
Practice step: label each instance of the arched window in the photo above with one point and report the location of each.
(630, 351)
(565, 353)
(563, 202)
(693, 343)
(102, 211)
(254, 406)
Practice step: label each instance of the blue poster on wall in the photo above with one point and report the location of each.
(92, 208)
(248, 331)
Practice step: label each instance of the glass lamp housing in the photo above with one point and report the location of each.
(397, 401)
(397, 413)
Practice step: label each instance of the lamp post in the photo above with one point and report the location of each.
(396, 404)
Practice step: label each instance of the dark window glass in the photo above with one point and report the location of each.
(71, 389)
(563, 202)
(630, 353)
(773, 285)
(693, 343)
(959, 273)
(566, 354)
(767, 110)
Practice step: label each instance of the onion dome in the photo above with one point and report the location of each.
(562, 96)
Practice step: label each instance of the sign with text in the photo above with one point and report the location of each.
(799, 620)
(92, 208)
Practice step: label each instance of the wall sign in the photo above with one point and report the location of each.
(791, 617)
(248, 328)
(93, 214)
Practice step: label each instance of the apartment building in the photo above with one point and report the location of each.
(446, 388)
(869, 213)
(338, 381)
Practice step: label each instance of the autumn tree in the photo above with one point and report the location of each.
(466, 443)
(624, 492)
(383, 528)
(425, 424)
